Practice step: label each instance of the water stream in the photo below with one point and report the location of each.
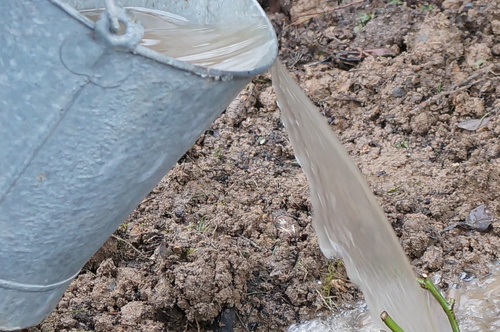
(348, 220)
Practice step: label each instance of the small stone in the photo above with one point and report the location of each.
(106, 268)
(398, 93)
(133, 312)
(495, 49)
(495, 27)
(404, 205)
(433, 258)
(467, 276)
(287, 227)
(421, 123)
(451, 4)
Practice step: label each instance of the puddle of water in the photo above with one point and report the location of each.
(234, 47)
(477, 309)
(478, 303)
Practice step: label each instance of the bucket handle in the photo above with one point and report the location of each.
(114, 23)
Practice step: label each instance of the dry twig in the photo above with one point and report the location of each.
(457, 87)
(330, 10)
(116, 237)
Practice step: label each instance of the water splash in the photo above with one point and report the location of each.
(477, 309)
(348, 220)
(478, 303)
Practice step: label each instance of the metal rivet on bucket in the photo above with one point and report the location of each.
(108, 28)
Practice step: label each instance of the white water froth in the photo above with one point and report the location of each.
(477, 309)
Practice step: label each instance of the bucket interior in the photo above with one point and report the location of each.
(233, 36)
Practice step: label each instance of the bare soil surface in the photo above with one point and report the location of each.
(226, 237)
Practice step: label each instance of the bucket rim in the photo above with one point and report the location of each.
(205, 72)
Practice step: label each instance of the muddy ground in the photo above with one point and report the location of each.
(210, 242)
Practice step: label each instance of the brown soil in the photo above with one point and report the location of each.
(226, 235)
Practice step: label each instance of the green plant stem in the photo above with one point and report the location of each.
(390, 322)
(446, 305)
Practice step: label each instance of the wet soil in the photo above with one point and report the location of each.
(224, 242)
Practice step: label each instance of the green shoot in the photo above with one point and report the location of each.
(426, 7)
(393, 190)
(390, 322)
(362, 20)
(447, 306)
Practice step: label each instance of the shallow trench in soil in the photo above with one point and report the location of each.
(227, 234)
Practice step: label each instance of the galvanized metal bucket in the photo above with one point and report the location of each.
(89, 123)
